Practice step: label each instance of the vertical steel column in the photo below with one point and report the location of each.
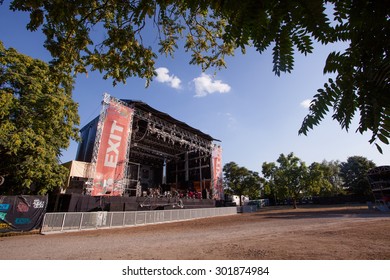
(186, 168)
(99, 129)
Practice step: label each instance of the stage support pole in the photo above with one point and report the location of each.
(186, 167)
(200, 175)
(164, 171)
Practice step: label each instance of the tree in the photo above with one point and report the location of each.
(241, 181)
(363, 71)
(37, 120)
(213, 29)
(331, 171)
(270, 189)
(315, 180)
(252, 185)
(290, 178)
(354, 173)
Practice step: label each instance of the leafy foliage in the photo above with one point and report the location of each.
(285, 24)
(354, 173)
(69, 28)
(290, 178)
(214, 29)
(363, 71)
(331, 173)
(37, 120)
(241, 181)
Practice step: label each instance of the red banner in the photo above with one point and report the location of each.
(217, 173)
(111, 158)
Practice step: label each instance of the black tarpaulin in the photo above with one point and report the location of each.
(22, 213)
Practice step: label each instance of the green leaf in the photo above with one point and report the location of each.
(379, 148)
(383, 139)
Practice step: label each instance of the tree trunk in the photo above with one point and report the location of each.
(295, 203)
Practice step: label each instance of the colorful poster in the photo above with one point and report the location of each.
(112, 154)
(216, 158)
(22, 213)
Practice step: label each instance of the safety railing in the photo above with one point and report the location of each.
(247, 209)
(77, 221)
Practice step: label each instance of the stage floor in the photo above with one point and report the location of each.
(84, 203)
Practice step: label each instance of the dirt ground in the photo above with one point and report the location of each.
(310, 233)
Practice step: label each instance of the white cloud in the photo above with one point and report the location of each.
(204, 85)
(164, 77)
(306, 103)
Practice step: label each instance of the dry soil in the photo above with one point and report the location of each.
(310, 233)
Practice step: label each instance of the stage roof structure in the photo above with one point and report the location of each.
(156, 137)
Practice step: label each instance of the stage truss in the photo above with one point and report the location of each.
(155, 139)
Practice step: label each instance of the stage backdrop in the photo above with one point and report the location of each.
(112, 154)
(22, 213)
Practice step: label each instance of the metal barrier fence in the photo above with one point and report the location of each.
(247, 209)
(76, 221)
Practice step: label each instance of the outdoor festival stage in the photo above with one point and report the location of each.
(134, 157)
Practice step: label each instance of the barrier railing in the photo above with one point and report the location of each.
(76, 221)
(247, 209)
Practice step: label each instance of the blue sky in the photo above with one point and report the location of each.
(254, 113)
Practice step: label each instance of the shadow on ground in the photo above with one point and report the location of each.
(314, 212)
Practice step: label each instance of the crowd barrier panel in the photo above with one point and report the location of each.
(247, 209)
(77, 221)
